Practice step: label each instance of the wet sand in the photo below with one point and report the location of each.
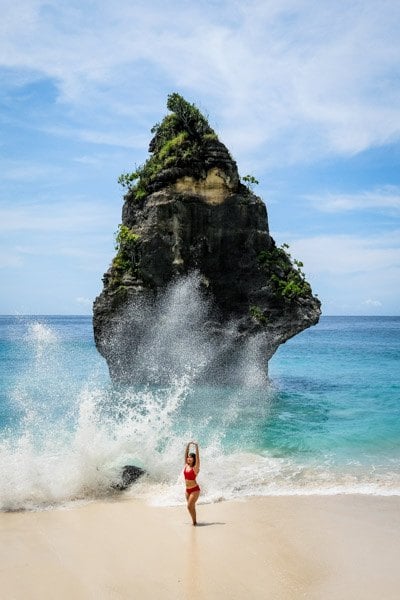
(334, 547)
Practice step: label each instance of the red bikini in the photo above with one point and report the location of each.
(190, 476)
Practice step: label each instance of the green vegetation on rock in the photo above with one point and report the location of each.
(250, 181)
(127, 179)
(126, 240)
(257, 314)
(286, 276)
(126, 261)
(177, 142)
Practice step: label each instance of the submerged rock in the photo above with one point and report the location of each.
(186, 211)
(129, 475)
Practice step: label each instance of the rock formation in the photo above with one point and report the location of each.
(187, 211)
(129, 474)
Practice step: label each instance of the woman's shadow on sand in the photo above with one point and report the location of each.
(204, 524)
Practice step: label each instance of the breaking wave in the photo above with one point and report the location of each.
(70, 431)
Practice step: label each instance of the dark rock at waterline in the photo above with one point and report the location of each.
(190, 213)
(129, 475)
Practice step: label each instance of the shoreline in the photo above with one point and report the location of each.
(282, 547)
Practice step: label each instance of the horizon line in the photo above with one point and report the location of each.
(90, 315)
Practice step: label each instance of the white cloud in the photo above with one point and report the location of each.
(84, 301)
(91, 161)
(120, 138)
(296, 77)
(371, 302)
(68, 216)
(81, 252)
(385, 198)
(346, 269)
(28, 172)
(335, 255)
(9, 260)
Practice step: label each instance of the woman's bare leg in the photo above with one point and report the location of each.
(191, 505)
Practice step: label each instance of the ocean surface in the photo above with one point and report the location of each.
(327, 422)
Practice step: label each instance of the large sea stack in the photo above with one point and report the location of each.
(188, 214)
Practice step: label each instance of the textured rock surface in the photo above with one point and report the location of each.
(129, 475)
(187, 213)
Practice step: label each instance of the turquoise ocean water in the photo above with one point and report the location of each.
(328, 421)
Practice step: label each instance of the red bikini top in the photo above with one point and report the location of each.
(189, 474)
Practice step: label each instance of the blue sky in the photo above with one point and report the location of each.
(305, 94)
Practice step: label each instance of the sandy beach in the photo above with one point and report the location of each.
(335, 547)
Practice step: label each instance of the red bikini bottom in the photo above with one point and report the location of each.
(192, 489)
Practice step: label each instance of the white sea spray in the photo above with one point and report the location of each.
(71, 437)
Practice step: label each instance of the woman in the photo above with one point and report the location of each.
(190, 472)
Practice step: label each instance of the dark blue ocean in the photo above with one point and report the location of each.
(327, 422)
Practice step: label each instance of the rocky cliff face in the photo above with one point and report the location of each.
(186, 213)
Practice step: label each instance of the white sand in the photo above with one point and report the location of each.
(322, 548)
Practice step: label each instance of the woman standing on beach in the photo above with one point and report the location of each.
(190, 472)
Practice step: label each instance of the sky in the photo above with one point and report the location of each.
(305, 94)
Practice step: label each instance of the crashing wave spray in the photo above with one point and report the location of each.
(72, 431)
(56, 456)
(73, 439)
(178, 335)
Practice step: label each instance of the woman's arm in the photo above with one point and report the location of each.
(197, 465)
(187, 452)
